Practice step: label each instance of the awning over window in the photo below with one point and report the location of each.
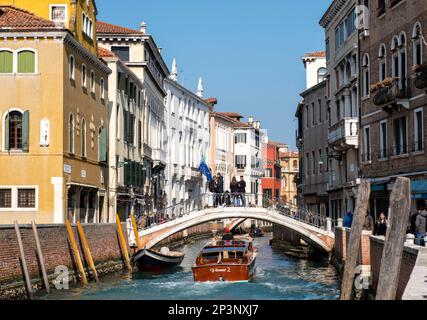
(419, 186)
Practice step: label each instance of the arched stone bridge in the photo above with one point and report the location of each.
(314, 236)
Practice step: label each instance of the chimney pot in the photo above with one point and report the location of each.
(143, 27)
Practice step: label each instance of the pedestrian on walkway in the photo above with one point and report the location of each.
(368, 223)
(219, 190)
(212, 189)
(420, 228)
(380, 228)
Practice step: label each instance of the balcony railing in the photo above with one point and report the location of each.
(159, 155)
(391, 92)
(344, 132)
(421, 78)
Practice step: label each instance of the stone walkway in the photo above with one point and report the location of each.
(417, 285)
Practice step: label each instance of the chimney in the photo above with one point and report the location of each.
(251, 120)
(143, 27)
(160, 50)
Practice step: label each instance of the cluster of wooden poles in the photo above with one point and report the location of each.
(76, 253)
(400, 204)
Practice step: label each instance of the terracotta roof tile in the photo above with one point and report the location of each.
(232, 114)
(12, 18)
(104, 53)
(108, 28)
(319, 54)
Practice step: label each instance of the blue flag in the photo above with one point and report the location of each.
(204, 169)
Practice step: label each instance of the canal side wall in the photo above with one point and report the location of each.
(370, 256)
(102, 240)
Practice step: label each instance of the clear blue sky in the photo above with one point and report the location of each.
(248, 52)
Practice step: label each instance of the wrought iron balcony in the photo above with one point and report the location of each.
(344, 134)
(421, 78)
(392, 93)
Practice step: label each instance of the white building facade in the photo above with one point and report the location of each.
(125, 152)
(187, 143)
(139, 52)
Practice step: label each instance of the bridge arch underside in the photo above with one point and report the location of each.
(306, 233)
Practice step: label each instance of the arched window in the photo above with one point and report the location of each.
(14, 134)
(71, 67)
(382, 63)
(395, 58)
(321, 74)
(417, 46)
(403, 72)
(6, 61)
(347, 72)
(295, 164)
(102, 85)
(92, 82)
(366, 77)
(71, 134)
(84, 76)
(26, 61)
(83, 137)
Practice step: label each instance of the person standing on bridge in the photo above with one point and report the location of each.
(219, 190)
(234, 187)
(242, 190)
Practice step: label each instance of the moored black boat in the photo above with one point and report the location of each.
(151, 260)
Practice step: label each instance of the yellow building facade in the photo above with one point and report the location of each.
(54, 122)
(289, 161)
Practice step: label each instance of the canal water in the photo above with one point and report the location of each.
(278, 277)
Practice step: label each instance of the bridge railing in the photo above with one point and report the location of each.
(237, 200)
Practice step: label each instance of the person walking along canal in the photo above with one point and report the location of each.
(420, 228)
(380, 228)
(242, 190)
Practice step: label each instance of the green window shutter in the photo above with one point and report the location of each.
(6, 62)
(25, 131)
(127, 172)
(103, 145)
(139, 134)
(6, 132)
(132, 129)
(125, 126)
(26, 62)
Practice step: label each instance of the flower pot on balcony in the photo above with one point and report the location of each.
(389, 94)
(421, 79)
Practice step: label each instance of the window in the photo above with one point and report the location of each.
(418, 130)
(58, 13)
(268, 173)
(102, 85)
(326, 155)
(381, 7)
(26, 198)
(338, 106)
(417, 44)
(240, 138)
(5, 198)
(6, 61)
(383, 139)
(92, 82)
(83, 138)
(400, 136)
(87, 25)
(307, 161)
(26, 62)
(16, 131)
(319, 104)
(367, 144)
(313, 113)
(84, 76)
(240, 162)
(328, 50)
(321, 74)
(71, 134)
(313, 158)
(307, 117)
(382, 63)
(71, 67)
(122, 52)
(350, 23)
(366, 78)
(320, 161)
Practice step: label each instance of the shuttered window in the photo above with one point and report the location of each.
(103, 145)
(6, 62)
(17, 131)
(125, 126)
(26, 62)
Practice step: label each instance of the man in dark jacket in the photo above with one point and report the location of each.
(242, 190)
(219, 190)
(420, 228)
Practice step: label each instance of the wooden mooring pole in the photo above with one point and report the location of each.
(24, 262)
(41, 258)
(400, 205)
(123, 244)
(87, 250)
(76, 252)
(135, 231)
(355, 238)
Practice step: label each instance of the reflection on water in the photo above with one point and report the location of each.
(277, 277)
